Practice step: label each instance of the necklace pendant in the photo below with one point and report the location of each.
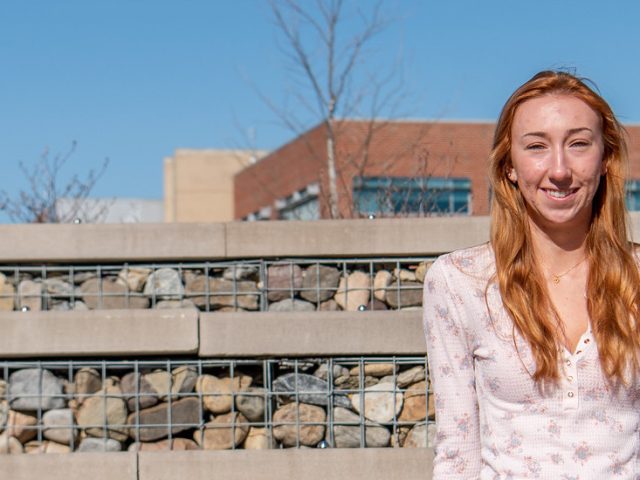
(556, 279)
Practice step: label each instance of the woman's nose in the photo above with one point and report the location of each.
(560, 170)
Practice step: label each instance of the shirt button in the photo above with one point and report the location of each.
(570, 378)
(570, 394)
(568, 363)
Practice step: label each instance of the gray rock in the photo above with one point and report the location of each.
(90, 444)
(311, 390)
(135, 387)
(185, 414)
(283, 281)
(58, 287)
(291, 305)
(109, 293)
(241, 272)
(251, 403)
(34, 388)
(319, 283)
(323, 371)
(347, 431)
(59, 426)
(221, 293)
(381, 402)
(164, 284)
(412, 375)
(409, 294)
(29, 295)
(183, 379)
(421, 436)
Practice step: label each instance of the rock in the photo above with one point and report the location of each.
(224, 432)
(34, 388)
(160, 382)
(408, 295)
(79, 305)
(58, 426)
(21, 426)
(319, 283)
(86, 382)
(258, 439)
(134, 278)
(348, 436)
(105, 407)
(422, 270)
(56, 287)
(251, 403)
(4, 413)
(414, 406)
(9, 445)
(353, 291)
(241, 272)
(404, 275)
(299, 423)
(47, 446)
(108, 293)
(421, 436)
(184, 415)
(164, 284)
(7, 292)
(329, 306)
(291, 305)
(183, 379)
(316, 391)
(80, 277)
(221, 293)
(217, 392)
(91, 444)
(413, 375)
(323, 371)
(283, 281)
(3, 389)
(381, 404)
(375, 369)
(381, 282)
(348, 382)
(136, 388)
(29, 295)
(175, 444)
(171, 304)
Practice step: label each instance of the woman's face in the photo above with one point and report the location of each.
(557, 159)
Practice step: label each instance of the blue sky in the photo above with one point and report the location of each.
(133, 80)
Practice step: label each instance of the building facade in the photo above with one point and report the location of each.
(384, 168)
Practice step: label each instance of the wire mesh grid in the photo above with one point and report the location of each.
(252, 285)
(111, 405)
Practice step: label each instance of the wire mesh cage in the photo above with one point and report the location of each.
(180, 404)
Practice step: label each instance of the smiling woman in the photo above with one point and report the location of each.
(532, 339)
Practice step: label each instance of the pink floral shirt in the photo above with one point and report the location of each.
(493, 421)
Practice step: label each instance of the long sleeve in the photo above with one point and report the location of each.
(450, 357)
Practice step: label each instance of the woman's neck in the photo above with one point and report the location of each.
(558, 248)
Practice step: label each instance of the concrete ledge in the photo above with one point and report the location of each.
(70, 466)
(307, 464)
(340, 238)
(314, 333)
(98, 332)
(111, 242)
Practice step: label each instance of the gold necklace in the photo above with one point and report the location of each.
(556, 277)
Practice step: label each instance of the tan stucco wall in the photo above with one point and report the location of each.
(198, 184)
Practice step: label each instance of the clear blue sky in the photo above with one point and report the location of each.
(133, 80)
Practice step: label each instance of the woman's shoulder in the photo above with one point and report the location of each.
(477, 262)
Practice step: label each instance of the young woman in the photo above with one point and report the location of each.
(532, 339)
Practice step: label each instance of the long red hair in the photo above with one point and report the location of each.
(613, 285)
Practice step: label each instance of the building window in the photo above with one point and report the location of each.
(300, 205)
(390, 196)
(632, 195)
(262, 214)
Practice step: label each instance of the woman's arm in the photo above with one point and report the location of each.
(451, 370)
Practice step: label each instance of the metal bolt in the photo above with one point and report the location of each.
(323, 444)
(371, 216)
(362, 308)
(77, 220)
(25, 308)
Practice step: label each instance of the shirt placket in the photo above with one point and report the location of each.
(570, 390)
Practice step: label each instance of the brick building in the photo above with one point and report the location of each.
(384, 168)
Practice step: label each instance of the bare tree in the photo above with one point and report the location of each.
(329, 63)
(39, 202)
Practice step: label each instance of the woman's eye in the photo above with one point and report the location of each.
(535, 146)
(580, 144)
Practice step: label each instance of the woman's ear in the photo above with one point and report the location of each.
(512, 175)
